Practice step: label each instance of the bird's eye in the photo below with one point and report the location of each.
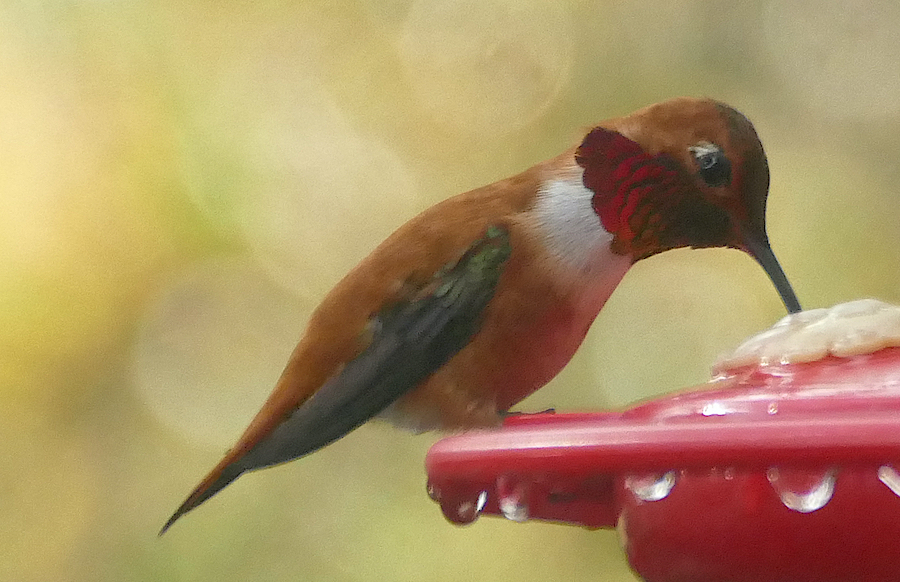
(713, 166)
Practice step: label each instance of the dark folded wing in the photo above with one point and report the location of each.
(410, 341)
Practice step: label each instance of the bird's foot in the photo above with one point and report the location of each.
(508, 413)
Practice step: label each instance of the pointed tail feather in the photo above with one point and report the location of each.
(217, 480)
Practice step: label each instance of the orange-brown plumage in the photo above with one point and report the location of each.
(549, 291)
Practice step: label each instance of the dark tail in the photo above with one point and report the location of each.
(217, 480)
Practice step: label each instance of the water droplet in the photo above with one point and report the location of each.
(716, 408)
(433, 492)
(773, 408)
(803, 490)
(651, 487)
(890, 477)
(728, 473)
(514, 509)
(622, 531)
(462, 508)
(512, 499)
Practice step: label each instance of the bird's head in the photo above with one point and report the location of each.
(682, 173)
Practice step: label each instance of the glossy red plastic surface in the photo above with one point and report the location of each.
(775, 473)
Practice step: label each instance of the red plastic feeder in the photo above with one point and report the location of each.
(780, 472)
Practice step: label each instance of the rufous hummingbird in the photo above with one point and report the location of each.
(483, 298)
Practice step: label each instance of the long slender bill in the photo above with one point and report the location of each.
(760, 250)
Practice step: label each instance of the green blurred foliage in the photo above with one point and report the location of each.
(181, 182)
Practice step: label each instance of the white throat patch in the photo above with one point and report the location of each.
(572, 230)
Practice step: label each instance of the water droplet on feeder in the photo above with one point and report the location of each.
(804, 491)
(514, 509)
(890, 477)
(512, 499)
(651, 487)
(716, 408)
(462, 507)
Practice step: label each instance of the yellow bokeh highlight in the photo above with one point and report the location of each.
(486, 67)
(213, 341)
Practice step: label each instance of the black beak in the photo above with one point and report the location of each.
(759, 249)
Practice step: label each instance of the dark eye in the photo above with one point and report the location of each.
(714, 168)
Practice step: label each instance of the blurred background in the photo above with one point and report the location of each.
(180, 183)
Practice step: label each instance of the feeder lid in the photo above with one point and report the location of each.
(784, 465)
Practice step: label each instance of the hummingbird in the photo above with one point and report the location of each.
(482, 299)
